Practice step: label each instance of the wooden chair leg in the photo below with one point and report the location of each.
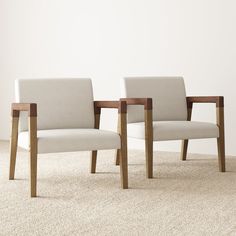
(122, 152)
(13, 147)
(149, 143)
(184, 150)
(149, 158)
(117, 158)
(93, 162)
(221, 154)
(221, 138)
(123, 168)
(33, 155)
(33, 173)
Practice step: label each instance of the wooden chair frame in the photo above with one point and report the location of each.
(219, 101)
(31, 108)
(147, 102)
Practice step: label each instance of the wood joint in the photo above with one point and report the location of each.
(122, 107)
(31, 108)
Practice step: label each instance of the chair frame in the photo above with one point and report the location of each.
(31, 108)
(147, 102)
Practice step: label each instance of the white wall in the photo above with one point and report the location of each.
(109, 39)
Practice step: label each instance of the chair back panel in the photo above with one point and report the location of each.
(168, 94)
(61, 103)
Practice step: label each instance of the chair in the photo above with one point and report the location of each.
(68, 120)
(170, 116)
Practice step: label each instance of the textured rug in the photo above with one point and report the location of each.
(184, 198)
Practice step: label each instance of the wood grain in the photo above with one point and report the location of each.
(13, 146)
(147, 102)
(31, 108)
(221, 138)
(149, 143)
(123, 150)
(33, 155)
(218, 100)
(120, 105)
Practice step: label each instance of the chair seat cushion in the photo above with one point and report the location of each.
(70, 140)
(175, 130)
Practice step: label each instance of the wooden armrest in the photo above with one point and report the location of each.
(147, 102)
(120, 105)
(31, 108)
(218, 100)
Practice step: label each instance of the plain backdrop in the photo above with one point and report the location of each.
(110, 39)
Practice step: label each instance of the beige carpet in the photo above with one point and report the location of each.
(184, 198)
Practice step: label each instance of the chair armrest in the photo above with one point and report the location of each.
(148, 118)
(147, 102)
(120, 105)
(31, 108)
(218, 100)
(122, 118)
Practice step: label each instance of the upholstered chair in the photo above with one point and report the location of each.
(161, 111)
(63, 117)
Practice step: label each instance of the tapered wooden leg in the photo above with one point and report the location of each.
(33, 173)
(123, 168)
(149, 158)
(221, 138)
(184, 149)
(149, 143)
(117, 158)
(93, 162)
(13, 147)
(33, 155)
(122, 152)
(221, 154)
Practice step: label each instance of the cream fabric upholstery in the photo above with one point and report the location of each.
(175, 130)
(168, 94)
(169, 110)
(65, 116)
(69, 140)
(62, 103)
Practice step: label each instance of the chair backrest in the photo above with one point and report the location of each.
(168, 94)
(61, 103)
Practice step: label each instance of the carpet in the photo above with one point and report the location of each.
(184, 198)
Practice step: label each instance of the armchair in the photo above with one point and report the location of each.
(169, 117)
(62, 117)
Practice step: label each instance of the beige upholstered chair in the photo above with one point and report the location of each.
(63, 117)
(169, 117)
